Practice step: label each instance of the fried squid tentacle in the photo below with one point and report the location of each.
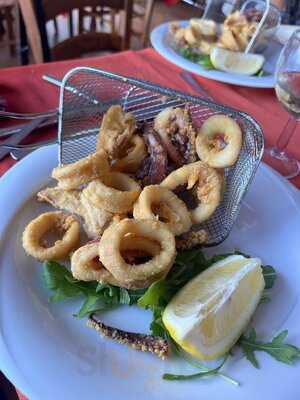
(137, 341)
(177, 133)
(154, 167)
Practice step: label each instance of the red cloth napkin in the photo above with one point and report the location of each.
(25, 91)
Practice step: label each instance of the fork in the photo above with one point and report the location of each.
(15, 140)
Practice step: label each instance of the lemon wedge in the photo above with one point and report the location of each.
(235, 62)
(208, 315)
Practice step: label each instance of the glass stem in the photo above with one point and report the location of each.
(286, 134)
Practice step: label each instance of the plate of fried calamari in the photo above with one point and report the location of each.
(217, 51)
(153, 257)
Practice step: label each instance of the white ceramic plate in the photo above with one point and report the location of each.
(49, 354)
(160, 41)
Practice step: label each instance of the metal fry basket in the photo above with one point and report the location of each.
(86, 94)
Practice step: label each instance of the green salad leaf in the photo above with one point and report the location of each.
(270, 275)
(204, 371)
(97, 296)
(201, 59)
(283, 352)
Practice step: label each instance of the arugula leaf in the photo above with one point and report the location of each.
(198, 364)
(59, 279)
(172, 377)
(201, 59)
(97, 296)
(158, 294)
(283, 352)
(261, 72)
(90, 306)
(205, 62)
(270, 275)
(205, 372)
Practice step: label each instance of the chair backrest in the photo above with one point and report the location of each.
(74, 46)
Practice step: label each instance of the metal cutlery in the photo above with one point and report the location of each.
(188, 78)
(14, 115)
(16, 129)
(7, 144)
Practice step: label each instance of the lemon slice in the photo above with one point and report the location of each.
(235, 62)
(208, 315)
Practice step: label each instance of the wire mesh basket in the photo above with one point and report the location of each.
(86, 94)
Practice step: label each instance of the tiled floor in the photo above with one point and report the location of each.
(162, 13)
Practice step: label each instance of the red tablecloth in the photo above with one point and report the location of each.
(25, 91)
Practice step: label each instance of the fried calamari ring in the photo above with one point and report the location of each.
(86, 266)
(115, 192)
(110, 249)
(208, 187)
(47, 222)
(71, 176)
(157, 202)
(135, 155)
(208, 144)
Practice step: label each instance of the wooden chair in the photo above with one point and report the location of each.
(142, 14)
(7, 19)
(36, 13)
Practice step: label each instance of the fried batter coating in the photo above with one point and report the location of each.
(156, 202)
(116, 131)
(211, 149)
(142, 275)
(192, 239)
(72, 176)
(33, 236)
(95, 219)
(208, 187)
(176, 130)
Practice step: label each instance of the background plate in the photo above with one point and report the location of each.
(160, 41)
(49, 354)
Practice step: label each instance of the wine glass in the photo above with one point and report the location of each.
(287, 89)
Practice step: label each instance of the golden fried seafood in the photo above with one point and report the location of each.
(135, 154)
(110, 251)
(72, 176)
(177, 134)
(116, 131)
(157, 202)
(138, 341)
(195, 34)
(135, 246)
(208, 187)
(116, 192)
(207, 28)
(68, 200)
(219, 141)
(95, 219)
(192, 239)
(34, 236)
(237, 31)
(86, 266)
